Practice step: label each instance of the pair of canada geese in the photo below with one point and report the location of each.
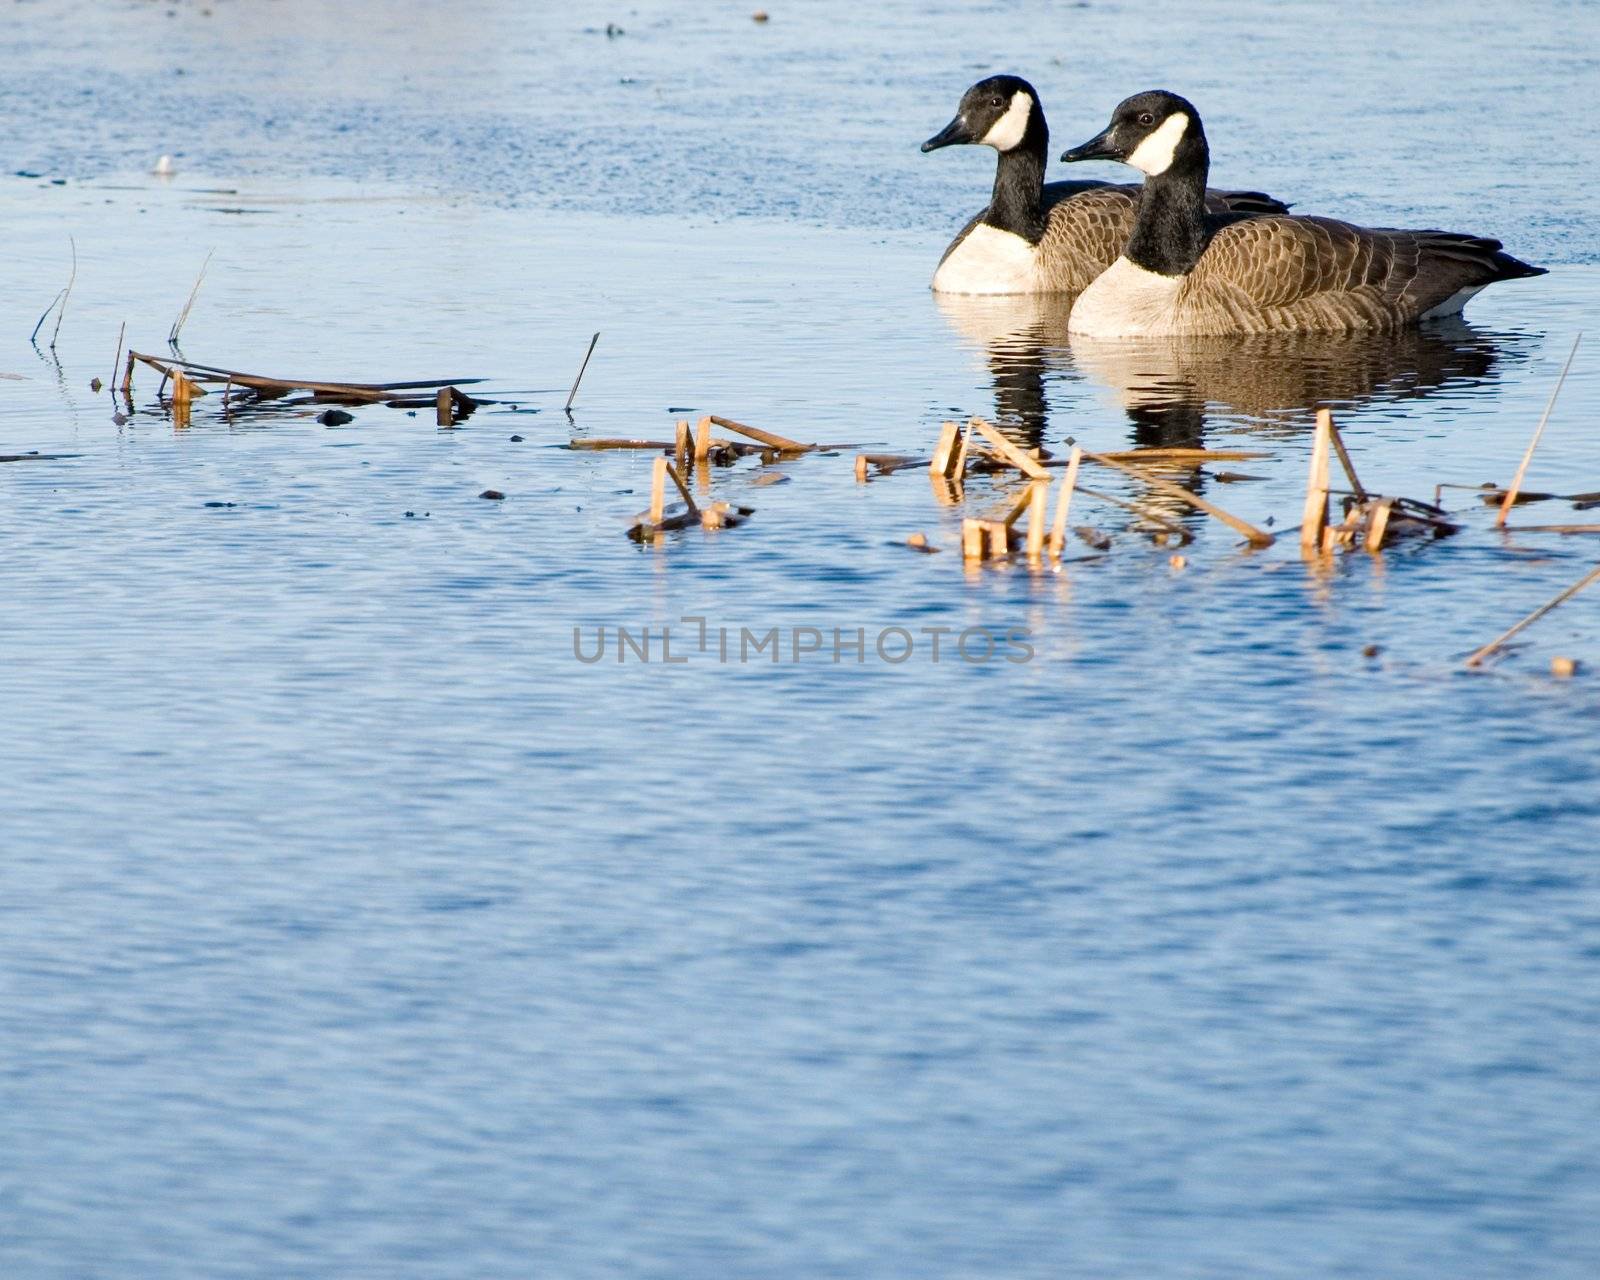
(1176, 258)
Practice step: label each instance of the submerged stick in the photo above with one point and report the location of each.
(1177, 454)
(1477, 657)
(1256, 537)
(1516, 484)
(571, 395)
(1144, 513)
(177, 325)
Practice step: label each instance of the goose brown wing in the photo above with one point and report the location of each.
(1351, 276)
(1085, 231)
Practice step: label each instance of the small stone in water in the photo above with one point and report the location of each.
(516, 439)
(335, 418)
(95, 384)
(493, 495)
(1371, 651)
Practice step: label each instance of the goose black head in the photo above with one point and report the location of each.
(1001, 112)
(1155, 132)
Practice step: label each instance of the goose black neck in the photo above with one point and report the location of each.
(1169, 234)
(1019, 182)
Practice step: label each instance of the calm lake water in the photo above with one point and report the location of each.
(351, 925)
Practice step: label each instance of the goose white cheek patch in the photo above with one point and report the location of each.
(1006, 132)
(1154, 154)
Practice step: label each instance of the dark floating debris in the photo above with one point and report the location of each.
(335, 417)
(1370, 522)
(190, 378)
(494, 495)
(516, 439)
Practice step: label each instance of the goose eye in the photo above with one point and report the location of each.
(997, 102)
(1145, 118)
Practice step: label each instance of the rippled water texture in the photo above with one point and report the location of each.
(350, 925)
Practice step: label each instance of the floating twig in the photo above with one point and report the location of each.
(177, 325)
(1478, 655)
(773, 441)
(1516, 483)
(572, 395)
(1009, 452)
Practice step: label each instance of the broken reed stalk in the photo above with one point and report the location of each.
(781, 443)
(1058, 533)
(66, 294)
(1256, 537)
(572, 395)
(945, 451)
(972, 539)
(1022, 462)
(658, 486)
(702, 439)
(1379, 524)
(1477, 657)
(45, 316)
(999, 535)
(177, 325)
(1038, 512)
(660, 470)
(117, 360)
(1344, 458)
(682, 445)
(1315, 517)
(961, 453)
(1516, 484)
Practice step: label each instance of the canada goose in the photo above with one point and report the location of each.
(1033, 237)
(1184, 271)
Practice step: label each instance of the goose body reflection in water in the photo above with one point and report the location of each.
(1170, 388)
